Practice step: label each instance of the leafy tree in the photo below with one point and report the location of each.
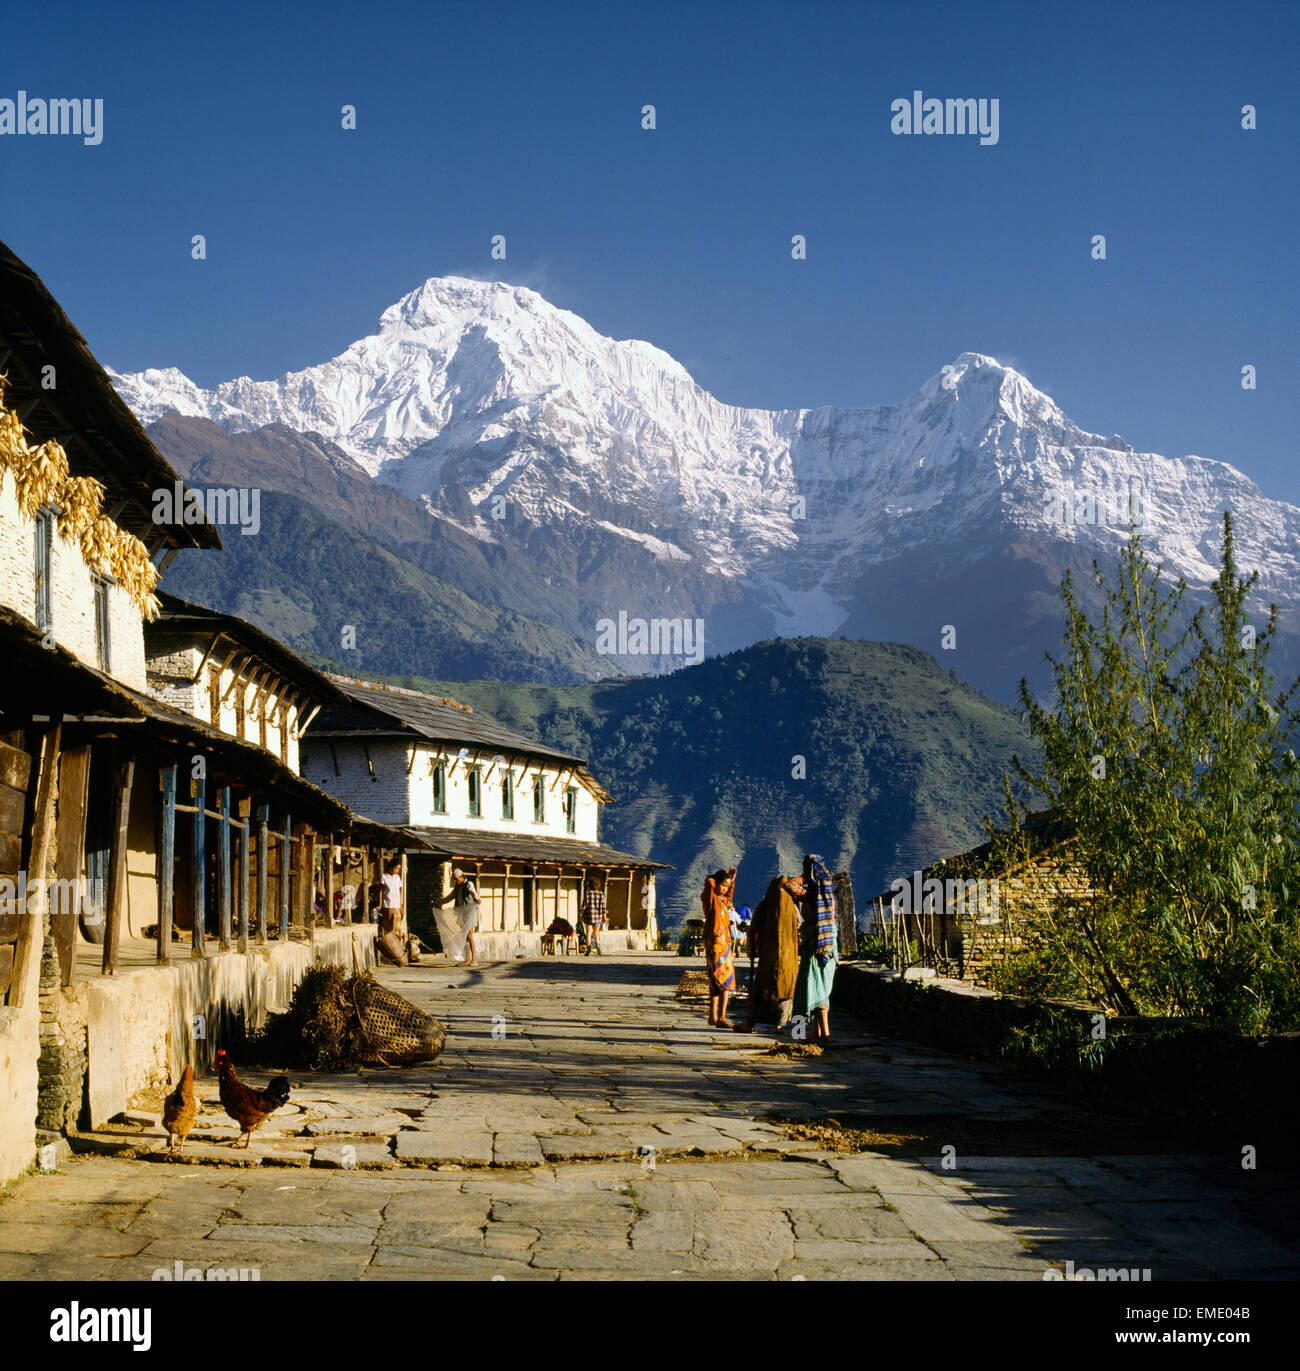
(1166, 758)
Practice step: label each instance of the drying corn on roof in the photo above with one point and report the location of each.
(41, 477)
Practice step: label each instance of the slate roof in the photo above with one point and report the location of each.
(438, 719)
(486, 845)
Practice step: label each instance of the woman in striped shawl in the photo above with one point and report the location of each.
(818, 951)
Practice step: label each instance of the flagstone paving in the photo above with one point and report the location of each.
(583, 1124)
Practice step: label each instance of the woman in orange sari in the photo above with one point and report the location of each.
(716, 899)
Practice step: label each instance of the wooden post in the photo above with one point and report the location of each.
(263, 864)
(31, 931)
(199, 872)
(245, 836)
(329, 880)
(286, 851)
(303, 914)
(166, 864)
(74, 773)
(223, 868)
(123, 774)
(406, 900)
(365, 883)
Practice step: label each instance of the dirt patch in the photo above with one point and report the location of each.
(789, 1051)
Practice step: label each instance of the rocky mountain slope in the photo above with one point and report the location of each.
(595, 476)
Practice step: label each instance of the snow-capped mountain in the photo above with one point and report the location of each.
(605, 467)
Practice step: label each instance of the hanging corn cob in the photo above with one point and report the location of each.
(41, 478)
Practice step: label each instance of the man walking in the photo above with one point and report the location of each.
(594, 912)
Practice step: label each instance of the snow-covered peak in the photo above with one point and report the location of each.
(489, 390)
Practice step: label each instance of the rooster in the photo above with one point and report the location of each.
(248, 1107)
(178, 1111)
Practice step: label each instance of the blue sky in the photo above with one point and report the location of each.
(773, 119)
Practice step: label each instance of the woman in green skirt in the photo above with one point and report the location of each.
(818, 951)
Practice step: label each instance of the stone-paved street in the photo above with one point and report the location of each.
(584, 1124)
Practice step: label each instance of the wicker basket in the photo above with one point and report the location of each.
(694, 985)
(396, 1033)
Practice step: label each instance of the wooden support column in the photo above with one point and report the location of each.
(166, 864)
(223, 868)
(365, 884)
(245, 837)
(263, 820)
(329, 880)
(406, 900)
(31, 931)
(123, 774)
(286, 862)
(74, 774)
(303, 915)
(199, 872)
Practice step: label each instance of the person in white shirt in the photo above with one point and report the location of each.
(390, 896)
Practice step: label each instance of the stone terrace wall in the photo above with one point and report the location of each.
(1160, 1069)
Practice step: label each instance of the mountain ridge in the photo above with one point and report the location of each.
(603, 469)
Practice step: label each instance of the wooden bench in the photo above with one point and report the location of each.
(555, 943)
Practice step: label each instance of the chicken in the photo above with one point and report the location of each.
(248, 1107)
(178, 1110)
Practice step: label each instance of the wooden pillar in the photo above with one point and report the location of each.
(306, 880)
(263, 819)
(406, 896)
(123, 774)
(199, 870)
(329, 880)
(245, 836)
(167, 864)
(365, 883)
(286, 860)
(74, 773)
(31, 931)
(223, 868)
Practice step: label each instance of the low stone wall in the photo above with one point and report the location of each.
(947, 1014)
(144, 1025)
(1212, 1078)
(504, 947)
(19, 1050)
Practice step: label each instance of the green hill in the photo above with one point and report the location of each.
(901, 761)
(305, 578)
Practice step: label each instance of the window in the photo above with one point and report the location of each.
(103, 645)
(508, 795)
(476, 792)
(570, 810)
(440, 788)
(44, 570)
(539, 800)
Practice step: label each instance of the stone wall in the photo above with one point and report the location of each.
(19, 1050)
(144, 1025)
(1211, 1079)
(61, 1065)
(950, 1015)
(72, 596)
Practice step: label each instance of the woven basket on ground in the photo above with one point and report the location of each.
(394, 1031)
(694, 985)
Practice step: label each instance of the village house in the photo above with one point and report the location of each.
(966, 913)
(148, 785)
(523, 818)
